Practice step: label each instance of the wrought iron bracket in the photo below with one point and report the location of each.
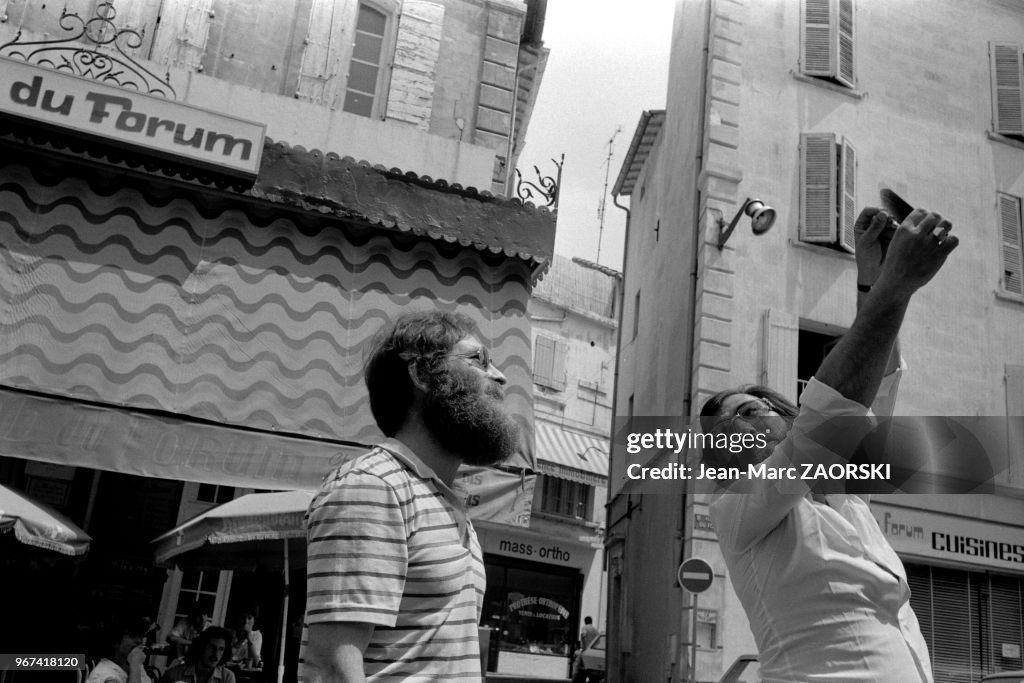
(546, 186)
(94, 48)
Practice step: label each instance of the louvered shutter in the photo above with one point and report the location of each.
(781, 333)
(818, 187)
(847, 189)
(1005, 635)
(1007, 69)
(322, 52)
(951, 623)
(1015, 427)
(1010, 229)
(183, 30)
(845, 62)
(818, 43)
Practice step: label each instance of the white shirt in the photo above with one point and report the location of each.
(826, 596)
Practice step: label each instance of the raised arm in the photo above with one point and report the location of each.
(856, 365)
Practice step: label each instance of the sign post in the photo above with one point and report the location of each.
(696, 576)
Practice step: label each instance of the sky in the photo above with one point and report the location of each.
(608, 63)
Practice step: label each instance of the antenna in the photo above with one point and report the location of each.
(604, 193)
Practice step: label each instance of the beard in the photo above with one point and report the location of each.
(467, 419)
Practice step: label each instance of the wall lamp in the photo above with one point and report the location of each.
(583, 455)
(762, 218)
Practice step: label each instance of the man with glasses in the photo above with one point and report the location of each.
(395, 576)
(826, 596)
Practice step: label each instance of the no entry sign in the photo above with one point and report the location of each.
(695, 575)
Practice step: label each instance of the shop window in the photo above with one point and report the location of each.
(971, 621)
(828, 191)
(566, 498)
(827, 41)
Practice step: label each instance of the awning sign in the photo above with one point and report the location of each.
(127, 118)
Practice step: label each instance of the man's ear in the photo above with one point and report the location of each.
(418, 381)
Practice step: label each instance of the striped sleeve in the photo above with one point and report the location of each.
(357, 552)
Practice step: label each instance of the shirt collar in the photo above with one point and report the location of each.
(405, 455)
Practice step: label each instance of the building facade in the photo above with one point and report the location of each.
(813, 107)
(543, 580)
(208, 209)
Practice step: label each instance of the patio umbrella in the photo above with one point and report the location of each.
(257, 530)
(38, 525)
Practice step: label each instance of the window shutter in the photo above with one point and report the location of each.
(779, 372)
(321, 55)
(818, 187)
(848, 196)
(1010, 228)
(1015, 428)
(543, 360)
(184, 27)
(414, 68)
(845, 71)
(817, 38)
(1007, 70)
(558, 371)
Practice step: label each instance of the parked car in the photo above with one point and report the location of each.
(1005, 677)
(589, 664)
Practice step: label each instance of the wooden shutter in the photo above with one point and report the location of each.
(1010, 229)
(414, 68)
(184, 27)
(558, 367)
(818, 43)
(847, 190)
(543, 360)
(1015, 423)
(1007, 71)
(322, 52)
(781, 333)
(845, 49)
(818, 187)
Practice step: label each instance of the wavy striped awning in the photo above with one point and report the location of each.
(571, 455)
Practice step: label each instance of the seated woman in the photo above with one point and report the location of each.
(248, 644)
(123, 656)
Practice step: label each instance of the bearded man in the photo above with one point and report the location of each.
(395, 577)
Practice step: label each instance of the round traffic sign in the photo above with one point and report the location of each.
(695, 575)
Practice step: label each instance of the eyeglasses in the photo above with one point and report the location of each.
(753, 408)
(481, 358)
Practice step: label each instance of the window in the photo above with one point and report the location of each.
(549, 362)
(565, 498)
(707, 628)
(827, 41)
(198, 591)
(1007, 73)
(212, 493)
(828, 190)
(367, 69)
(812, 347)
(1010, 243)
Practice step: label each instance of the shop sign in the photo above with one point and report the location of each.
(547, 550)
(936, 536)
(125, 118)
(527, 607)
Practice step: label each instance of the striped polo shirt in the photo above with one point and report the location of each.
(389, 544)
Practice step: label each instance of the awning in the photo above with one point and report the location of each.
(571, 455)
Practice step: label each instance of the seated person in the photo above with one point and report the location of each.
(184, 632)
(205, 660)
(248, 643)
(123, 658)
